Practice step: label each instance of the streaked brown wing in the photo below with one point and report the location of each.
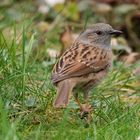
(92, 59)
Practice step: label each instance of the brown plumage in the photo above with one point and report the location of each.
(84, 64)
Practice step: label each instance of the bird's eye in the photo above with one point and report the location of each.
(98, 32)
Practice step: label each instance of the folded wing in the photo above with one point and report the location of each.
(80, 60)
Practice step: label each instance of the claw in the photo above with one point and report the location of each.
(83, 114)
(85, 111)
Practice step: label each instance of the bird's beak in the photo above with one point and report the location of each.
(116, 32)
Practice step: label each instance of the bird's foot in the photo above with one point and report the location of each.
(85, 112)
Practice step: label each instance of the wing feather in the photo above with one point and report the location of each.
(93, 59)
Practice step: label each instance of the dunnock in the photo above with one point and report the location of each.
(83, 65)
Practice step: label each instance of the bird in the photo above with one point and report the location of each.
(83, 65)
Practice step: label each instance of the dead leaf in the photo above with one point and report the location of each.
(67, 38)
(130, 58)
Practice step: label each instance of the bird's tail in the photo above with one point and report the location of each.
(64, 88)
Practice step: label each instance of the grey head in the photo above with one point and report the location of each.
(99, 34)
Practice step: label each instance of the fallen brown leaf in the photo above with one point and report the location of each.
(66, 38)
(130, 58)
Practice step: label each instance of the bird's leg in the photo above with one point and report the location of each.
(85, 108)
(82, 107)
(87, 87)
(75, 94)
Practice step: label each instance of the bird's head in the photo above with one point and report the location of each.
(99, 34)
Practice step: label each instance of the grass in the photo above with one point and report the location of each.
(26, 110)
